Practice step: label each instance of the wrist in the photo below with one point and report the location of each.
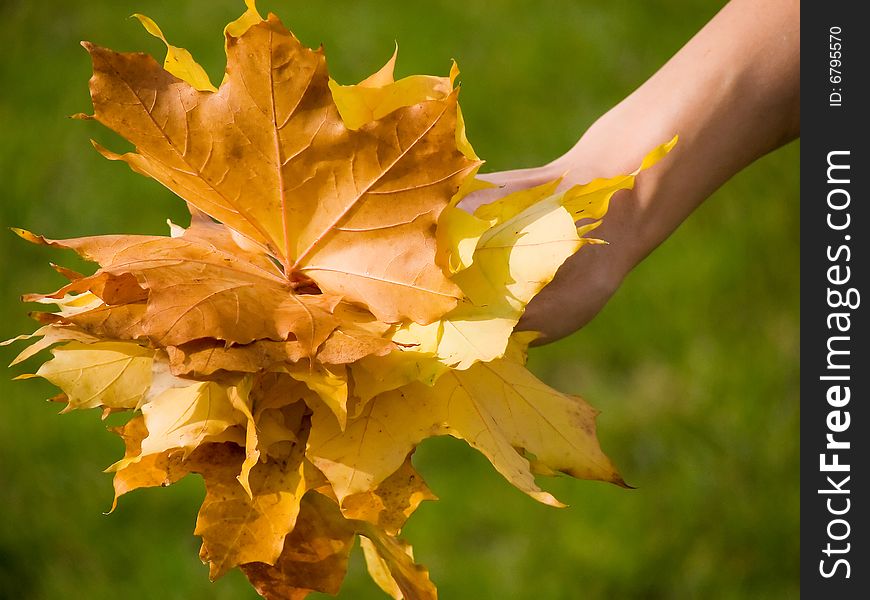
(635, 222)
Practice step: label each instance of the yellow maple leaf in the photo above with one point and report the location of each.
(497, 407)
(391, 503)
(186, 417)
(390, 562)
(109, 374)
(135, 471)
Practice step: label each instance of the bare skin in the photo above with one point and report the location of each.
(732, 94)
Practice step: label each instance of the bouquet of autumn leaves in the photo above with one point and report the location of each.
(327, 309)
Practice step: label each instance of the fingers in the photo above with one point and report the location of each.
(581, 288)
(507, 182)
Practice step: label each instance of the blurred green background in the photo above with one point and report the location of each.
(694, 363)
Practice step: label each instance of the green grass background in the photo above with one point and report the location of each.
(694, 362)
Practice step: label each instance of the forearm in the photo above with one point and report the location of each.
(731, 94)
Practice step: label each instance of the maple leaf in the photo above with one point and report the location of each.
(109, 374)
(135, 471)
(237, 527)
(390, 562)
(268, 155)
(328, 308)
(193, 287)
(392, 502)
(314, 556)
(497, 407)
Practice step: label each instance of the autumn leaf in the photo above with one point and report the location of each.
(328, 308)
(390, 562)
(186, 417)
(392, 502)
(239, 528)
(178, 61)
(109, 374)
(135, 471)
(194, 286)
(497, 407)
(316, 552)
(327, 201)
(314, 556)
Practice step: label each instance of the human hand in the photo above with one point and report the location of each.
(732, 94)
(588, 279)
